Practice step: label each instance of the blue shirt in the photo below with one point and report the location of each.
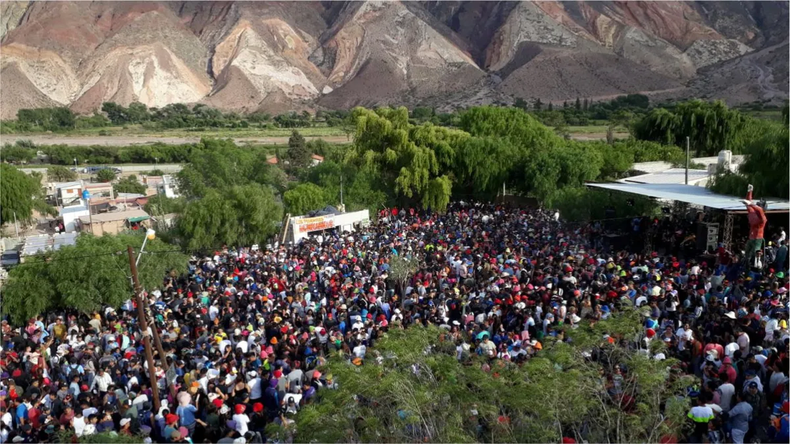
(187, 415)
(21, 413)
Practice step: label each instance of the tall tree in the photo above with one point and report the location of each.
(578, 105)
(238, 215)
(298, 154)
(412, 159)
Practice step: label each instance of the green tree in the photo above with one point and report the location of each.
(215, 163)
(304, 198)
(137, 113)
(238, 215)
(60, 174)
(298, 154)
(484, 164)
(765, 167)
(422, 393)
(129, 184)
(106, 175)
(86, 276)
(20, 194)
(711, 127)
(116, 113)
(160, 204)
(538, 105)
(578, 105)
(16, 153)
(412, 159)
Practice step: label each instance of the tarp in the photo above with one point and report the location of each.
(690, 194)
(138, 218)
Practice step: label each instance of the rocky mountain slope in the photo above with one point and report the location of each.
(279, 56)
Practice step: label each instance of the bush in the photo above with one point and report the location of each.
(106, 175)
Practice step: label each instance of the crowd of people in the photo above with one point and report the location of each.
(247, 331)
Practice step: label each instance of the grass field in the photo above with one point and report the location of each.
(769, 114)
(594, 129)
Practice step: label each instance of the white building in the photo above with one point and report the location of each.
(71, 215)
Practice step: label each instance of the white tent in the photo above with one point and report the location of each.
(690, 194)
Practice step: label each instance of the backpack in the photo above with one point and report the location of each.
(74, 370)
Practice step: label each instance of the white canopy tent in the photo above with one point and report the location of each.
(697, 196)
(690, 194)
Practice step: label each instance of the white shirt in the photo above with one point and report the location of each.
(730, 349)
(743, 343)
(79, 425)
(727, 391)
(102, 382)
(241, 423)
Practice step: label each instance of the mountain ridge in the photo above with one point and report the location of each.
(282, 56)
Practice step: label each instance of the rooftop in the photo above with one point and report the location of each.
(116, 216)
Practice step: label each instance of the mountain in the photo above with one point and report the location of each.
(280, 56)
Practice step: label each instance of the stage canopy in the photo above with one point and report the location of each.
(690, 194)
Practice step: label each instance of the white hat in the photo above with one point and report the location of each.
(125, 421)
(236, 332)
(730, 314)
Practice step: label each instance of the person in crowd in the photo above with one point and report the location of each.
(247, 332)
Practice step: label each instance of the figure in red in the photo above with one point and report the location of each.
(757, 221)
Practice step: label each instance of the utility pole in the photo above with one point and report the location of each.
(162, 357)
(688, 144)
(341, 190)
(144, 329)
(16, 226)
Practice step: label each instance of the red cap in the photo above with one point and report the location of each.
(240, 408)
(171, 418)
(257, 407)
(278, 373)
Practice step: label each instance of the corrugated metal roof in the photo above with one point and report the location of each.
(691, 194)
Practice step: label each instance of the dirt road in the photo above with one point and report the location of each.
(146, 140)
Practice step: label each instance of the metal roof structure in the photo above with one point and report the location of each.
(670, 176)
(63, 239)
(690, 194)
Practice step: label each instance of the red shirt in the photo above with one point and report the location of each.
(757, 222)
